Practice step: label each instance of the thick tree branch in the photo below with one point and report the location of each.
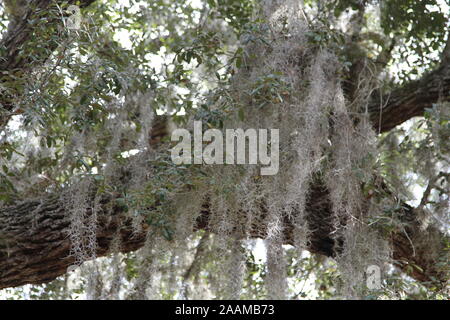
(35, 244)
(411, 100)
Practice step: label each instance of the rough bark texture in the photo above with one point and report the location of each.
(34, 243)
(411, 100)
(35, 247)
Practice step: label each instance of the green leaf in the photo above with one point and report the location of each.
(241, 114)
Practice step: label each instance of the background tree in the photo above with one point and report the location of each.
(85, 123)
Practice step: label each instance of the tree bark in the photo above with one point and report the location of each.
(389, 110)
(35, 244)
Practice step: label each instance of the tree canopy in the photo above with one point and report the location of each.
(91, 204)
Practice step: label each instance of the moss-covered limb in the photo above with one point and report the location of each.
(35, 245)
(389, 110)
